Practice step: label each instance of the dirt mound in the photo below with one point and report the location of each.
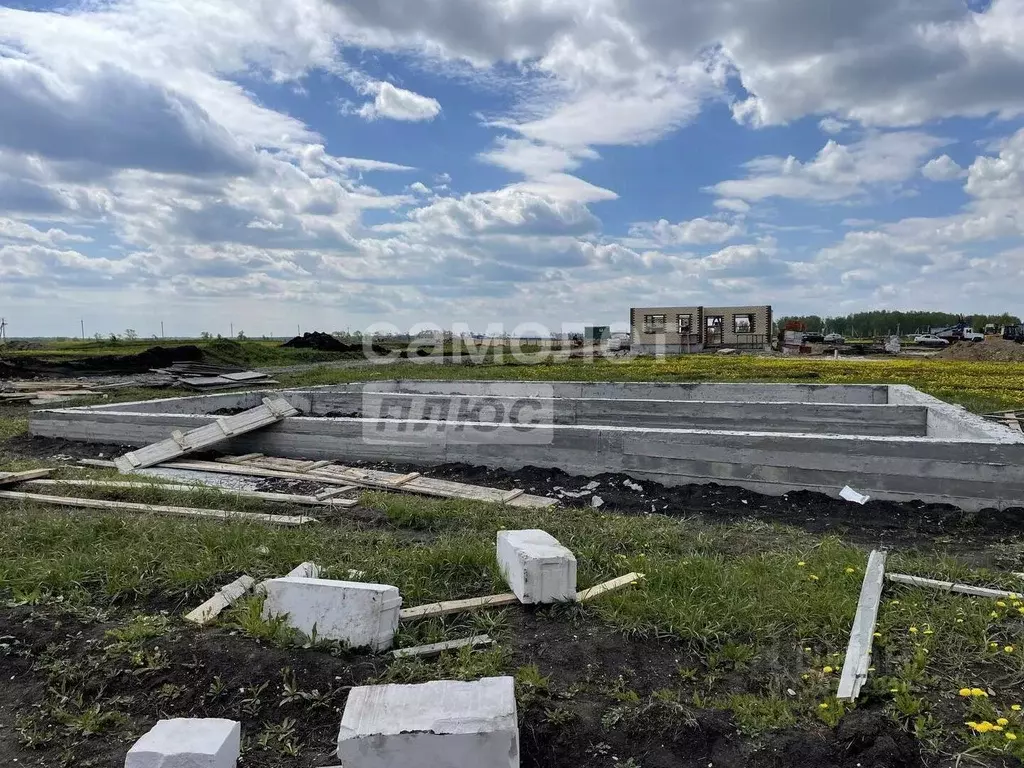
(154, 357)
(225, 351)
(20, 345)
(322, 341)
(990, 350)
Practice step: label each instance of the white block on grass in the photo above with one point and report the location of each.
(188, 743)
(443, 724)
(357, 613)
(536, 566)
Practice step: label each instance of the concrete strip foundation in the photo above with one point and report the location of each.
(890, 442)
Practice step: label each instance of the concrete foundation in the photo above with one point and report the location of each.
(360, 615)
(188, 743)
(537, 568)
(443, 724)
(890, 442)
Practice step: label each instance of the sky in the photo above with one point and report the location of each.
(269, 165)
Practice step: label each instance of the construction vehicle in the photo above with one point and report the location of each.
(1014, 333)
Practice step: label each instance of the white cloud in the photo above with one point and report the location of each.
(732, 204)
(942, 168)
(832, 126)
(397, 103)
(699, 231)
(419, 188)
(837, 172)
(1002, 176)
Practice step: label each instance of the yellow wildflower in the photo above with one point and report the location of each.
(1015, 707)
(913, 630)
(959, 621)
(965, 692)
(1011, 736)
(993, 645)
(827, 670)
(878, 634)
(993, 615)
(978, 692)
(801, 564)
(812, 577)
(997, 727)
(1000, 604)
(1003, 721)
(894, 602)
(1008, 648)
(823, 705)
(851, 570)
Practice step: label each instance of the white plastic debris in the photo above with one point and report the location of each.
(851, 495)
(596, 502)
(633, 486)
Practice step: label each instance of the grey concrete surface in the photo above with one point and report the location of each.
(909, 446)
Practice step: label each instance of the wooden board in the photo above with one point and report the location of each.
(608, 586)
(11, 478)
(232, 469)
(225, 598)
(433, 649)
(179, 444)
(858, 652)
(283, 498)
(457, 606)
(128, 506)
(948, 586)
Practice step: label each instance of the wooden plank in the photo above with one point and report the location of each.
(457, 606)
(320, 464)
(245, 376)
(240, 459)
(284, 498)
(247, 470)
(332, 492)
(405, 479)
(858, 652)
(10, 478)
(105, 463)
(434, 649)
(226, 597)
(203, 437)
(948, 586)
(608, 586)
(128, 506)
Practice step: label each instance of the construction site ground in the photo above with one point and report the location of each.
(726, 654)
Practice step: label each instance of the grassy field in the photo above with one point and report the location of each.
(736, 634)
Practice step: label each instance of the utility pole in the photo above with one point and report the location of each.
(82, 321)
(3, 328)
(232, 325)
(161, 329)
(298, 330)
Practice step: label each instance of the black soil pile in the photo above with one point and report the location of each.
(154, 357)
(325, 342)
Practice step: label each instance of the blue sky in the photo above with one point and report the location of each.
(340, 164)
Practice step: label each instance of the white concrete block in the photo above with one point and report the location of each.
(188, 743)
(443, 724)
(536, 566)
(357, 613)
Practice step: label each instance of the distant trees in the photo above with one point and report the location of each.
(884, 322)
(130, 334)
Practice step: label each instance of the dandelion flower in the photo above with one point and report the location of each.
(805, 676)
(1003, 721)
(801, 564)
(1015, 707)
(851, 570)
(1008, 648)
(997, 728)
(878, 634)
(978, 692)
(812, 577)
(913, 630)
(993, 615)
(827, 670)
(965, 692)
(823, 705)
(993, 645)
(1000, 604)
(1011, 736)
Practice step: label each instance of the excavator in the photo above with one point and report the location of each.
(1014, 333)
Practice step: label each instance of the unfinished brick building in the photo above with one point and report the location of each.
(680, 330)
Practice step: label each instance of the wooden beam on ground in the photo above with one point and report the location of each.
(949, 586)
(434, 649)
(271, 411)
(858, 652)
(330, 493)
(242, 459)
(129, 506)
(446, 607)
(245, 469)
(405, 479)
(283, 498)
(10, 478)
(226, 597)
(608, 586)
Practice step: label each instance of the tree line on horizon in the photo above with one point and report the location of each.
(884, 322)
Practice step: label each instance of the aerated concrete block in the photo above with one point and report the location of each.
(356, 613)
(536, 566)
(444, 724)
(188, 743)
